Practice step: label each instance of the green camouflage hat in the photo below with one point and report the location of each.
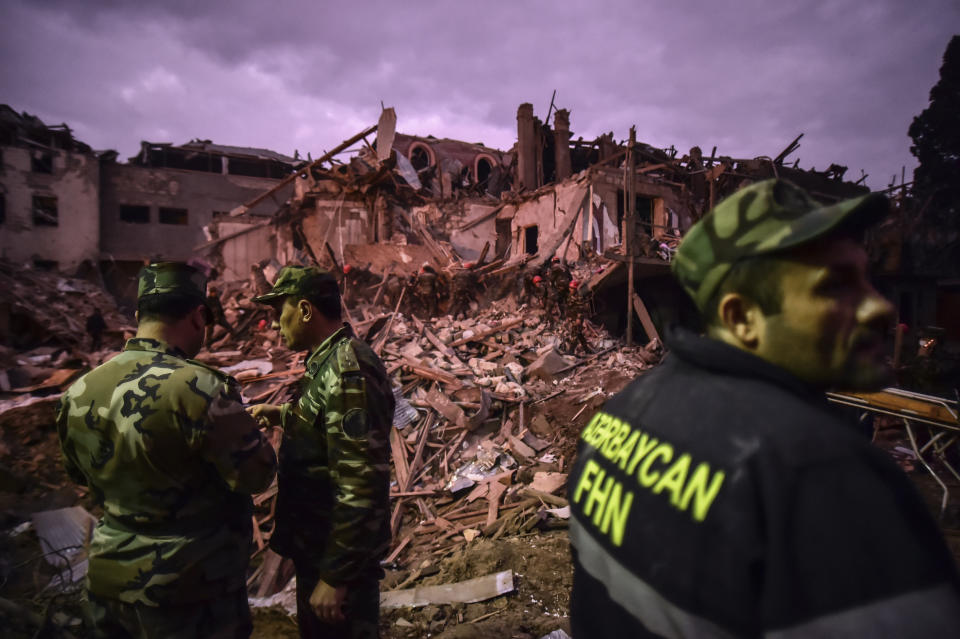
(171, 277)
(303, 281)
(762, 218)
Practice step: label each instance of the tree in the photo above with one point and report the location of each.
(936, 144)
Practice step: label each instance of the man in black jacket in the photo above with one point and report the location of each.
(719, 495)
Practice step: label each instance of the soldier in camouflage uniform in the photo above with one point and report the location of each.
(578, 308)
(558, 277)
(427, 289)
(333, 516)
(166, 448)
(217, 315)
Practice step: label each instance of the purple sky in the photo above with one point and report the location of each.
(300, 74)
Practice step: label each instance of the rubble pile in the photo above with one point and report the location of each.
(473, 453)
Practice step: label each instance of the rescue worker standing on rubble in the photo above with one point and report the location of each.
(463, 289)
(166, 448)
(217, 315)
(95, 327)
(578, 308)
(720, 495)
(333, 516)
(559, 278)
(427, 290)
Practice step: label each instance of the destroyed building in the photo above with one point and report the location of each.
(49, 194)
(66, 207)
(403, 200)
(157, 204)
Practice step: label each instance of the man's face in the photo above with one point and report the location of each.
(290, 322)
(830, 330)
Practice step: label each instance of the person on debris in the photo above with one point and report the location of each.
(392, 289)
(463, 289)
(559, 278)
(540, 291)
(95, 327)
(427, 290)
(578, 308)
(333, 509)
(166, 448)
(217, 315)
(720, 495)
(357, 282)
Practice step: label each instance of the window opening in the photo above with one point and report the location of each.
(45, 211)
(173, 216)
(530, 237)
(135, 214)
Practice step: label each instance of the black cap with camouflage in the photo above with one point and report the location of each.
(303, 281)
(171, 277)
(766, 217)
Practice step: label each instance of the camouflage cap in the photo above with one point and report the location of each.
(171, 277)
(763, 218)
(304, 281)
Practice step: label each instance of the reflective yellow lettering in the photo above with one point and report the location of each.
(646, 444)
(616, 513)
(598, 497)
(602, 431)
(701, 494)
(624, 453)
(589, 470)
(615, 442)
(674, 479)
(588, 431)
(644, 476)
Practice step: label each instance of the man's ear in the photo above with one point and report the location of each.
(198, 319)
(306, 310)
(741, 319)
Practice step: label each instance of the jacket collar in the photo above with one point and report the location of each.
(321, 353)
(150, 345)
(722, 358)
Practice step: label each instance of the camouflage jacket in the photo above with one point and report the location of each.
(333, 508)
(166, 447)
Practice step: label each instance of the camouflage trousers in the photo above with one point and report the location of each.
(362, 608)
(225, 618)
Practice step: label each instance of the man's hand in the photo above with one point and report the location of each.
(327, 602)
(265, 414)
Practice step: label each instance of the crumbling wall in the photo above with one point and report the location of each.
(468, 239)
(159, 230)
(338, 222)
(553, 212)
(52, 218)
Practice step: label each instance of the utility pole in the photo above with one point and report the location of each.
(630, 200)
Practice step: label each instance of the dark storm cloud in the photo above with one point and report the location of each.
(746, 76)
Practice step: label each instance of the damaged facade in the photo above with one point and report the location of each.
(403, 200)
(49, 194)
(66, 207)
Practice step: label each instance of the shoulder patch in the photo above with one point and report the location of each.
(347, 358)
(356, 423)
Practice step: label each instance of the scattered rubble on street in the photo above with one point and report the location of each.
(494, 285)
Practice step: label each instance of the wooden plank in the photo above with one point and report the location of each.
(645, 320)
(479, 337)
(400, 466)
(493, 499)
(470, 591)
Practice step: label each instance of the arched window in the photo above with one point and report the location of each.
(421, 156)
(483, 167)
